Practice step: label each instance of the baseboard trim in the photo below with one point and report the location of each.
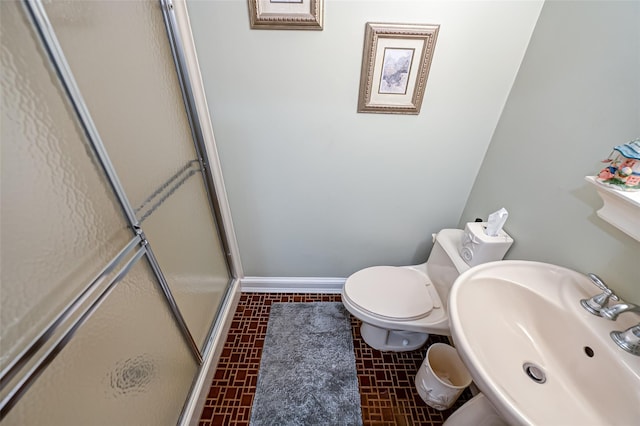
(202, 383)
(292, 285)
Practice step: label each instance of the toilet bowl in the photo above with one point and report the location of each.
(400, 306)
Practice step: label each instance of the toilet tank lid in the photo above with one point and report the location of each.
(450, 240)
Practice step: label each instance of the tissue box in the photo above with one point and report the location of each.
(478, 247)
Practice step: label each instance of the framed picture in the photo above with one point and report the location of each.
(395, 67)
(286, 14)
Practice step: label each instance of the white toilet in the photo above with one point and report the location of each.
(400, 306)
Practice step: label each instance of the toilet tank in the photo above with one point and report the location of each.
(445, 264)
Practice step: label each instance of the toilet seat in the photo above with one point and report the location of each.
(390, 293)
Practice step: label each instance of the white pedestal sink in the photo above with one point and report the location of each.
(537, 355)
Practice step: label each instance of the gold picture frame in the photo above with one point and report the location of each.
(395, 66)
(286, 14)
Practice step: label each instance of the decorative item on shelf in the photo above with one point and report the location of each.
(623, 167)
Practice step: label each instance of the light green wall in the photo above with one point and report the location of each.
(315, 188)
(577, 94)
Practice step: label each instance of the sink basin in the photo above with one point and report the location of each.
(535, 353)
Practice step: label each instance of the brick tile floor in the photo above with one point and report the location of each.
(386, 379)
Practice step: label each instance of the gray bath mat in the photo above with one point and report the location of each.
(308, 370)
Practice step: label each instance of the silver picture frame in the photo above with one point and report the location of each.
(395, 66)
(286, 14)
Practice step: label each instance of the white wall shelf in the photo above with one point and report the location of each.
(621, 209)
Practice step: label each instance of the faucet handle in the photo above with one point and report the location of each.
(599, 301)
(629, 340)
(601, 285)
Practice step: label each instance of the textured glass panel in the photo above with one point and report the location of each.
(121, 58)
(59, 221)
(127, 365)
(182, 235)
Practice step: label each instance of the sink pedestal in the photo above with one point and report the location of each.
(478, 411)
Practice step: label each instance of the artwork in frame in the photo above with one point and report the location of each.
(286, 14)
(395, 66)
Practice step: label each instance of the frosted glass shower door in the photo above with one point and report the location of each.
(59, 220)
(127, 365)
(120, 55)
(86, 335)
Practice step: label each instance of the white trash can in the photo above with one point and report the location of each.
(442, 376)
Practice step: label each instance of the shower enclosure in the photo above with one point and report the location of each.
(115, 267)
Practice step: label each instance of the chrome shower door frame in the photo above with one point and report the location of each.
(43, 28)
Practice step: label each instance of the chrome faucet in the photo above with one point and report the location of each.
(615, 310)
(629, 340)
(595, 304)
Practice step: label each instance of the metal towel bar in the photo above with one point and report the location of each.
(187, 169)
